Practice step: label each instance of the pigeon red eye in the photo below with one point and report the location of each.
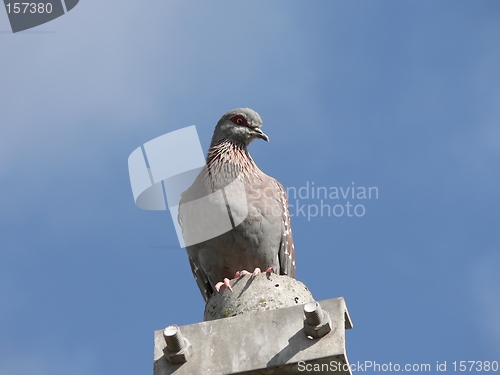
(239, 120)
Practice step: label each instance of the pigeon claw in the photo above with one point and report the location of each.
(256, 272)
(223, 283)
(242, 273)
(270, 270)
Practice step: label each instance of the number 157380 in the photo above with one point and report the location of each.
(29, 7)
(475, 365)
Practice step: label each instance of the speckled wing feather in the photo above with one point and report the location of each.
(286, 253)
(201, 279)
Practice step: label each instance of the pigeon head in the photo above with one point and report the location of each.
(241, 125)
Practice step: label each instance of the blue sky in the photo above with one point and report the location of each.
(402, 96)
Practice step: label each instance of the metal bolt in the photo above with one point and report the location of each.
(178, 349)
(317, 322)
(173, 338)
(313, 313)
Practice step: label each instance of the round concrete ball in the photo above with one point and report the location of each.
(259, 293)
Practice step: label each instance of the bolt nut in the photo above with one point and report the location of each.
(317, 322)
(178, 349)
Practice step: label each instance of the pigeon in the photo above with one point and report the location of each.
(234, 217)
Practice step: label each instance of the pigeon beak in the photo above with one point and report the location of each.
(261, 135)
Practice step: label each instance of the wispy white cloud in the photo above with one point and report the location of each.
(57, 86)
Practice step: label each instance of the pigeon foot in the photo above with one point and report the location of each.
(224, 283)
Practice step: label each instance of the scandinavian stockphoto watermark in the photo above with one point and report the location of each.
(312, 201)
(161, 169)
(29, 14)
(378, 367)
